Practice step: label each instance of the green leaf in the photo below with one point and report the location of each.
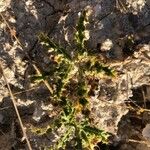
(64, 139)
(46, 41)
(108, 71)
(99, 68)
(88, 65)
(59, 86)
(80, 33)
(92, 130)
(84, 136)
(63, 101)
(67, 110)
(49, 130)
(37, 78)
(82, 90)
(83, 101)
(57, 123)
(79, 144)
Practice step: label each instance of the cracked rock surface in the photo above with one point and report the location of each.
(110, 23)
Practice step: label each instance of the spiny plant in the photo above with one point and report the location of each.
(71, 75)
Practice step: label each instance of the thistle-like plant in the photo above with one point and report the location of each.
(71, 89)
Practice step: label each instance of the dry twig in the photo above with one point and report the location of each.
(15, 106)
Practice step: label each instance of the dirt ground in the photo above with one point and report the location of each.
(122, 105)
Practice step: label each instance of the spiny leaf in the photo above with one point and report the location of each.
(57, 123)
(64, 139)
(83, 101)
(63, 101)
(79, 144)
(84, 136)
(108, 72)
(82, 89)
(92, 130)
(42, 131)
(80, 36)
(67, 111)
(99, 68)
(37, 78)
(59, 86)
(46, 41)
(43, 76)
(64, 75)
